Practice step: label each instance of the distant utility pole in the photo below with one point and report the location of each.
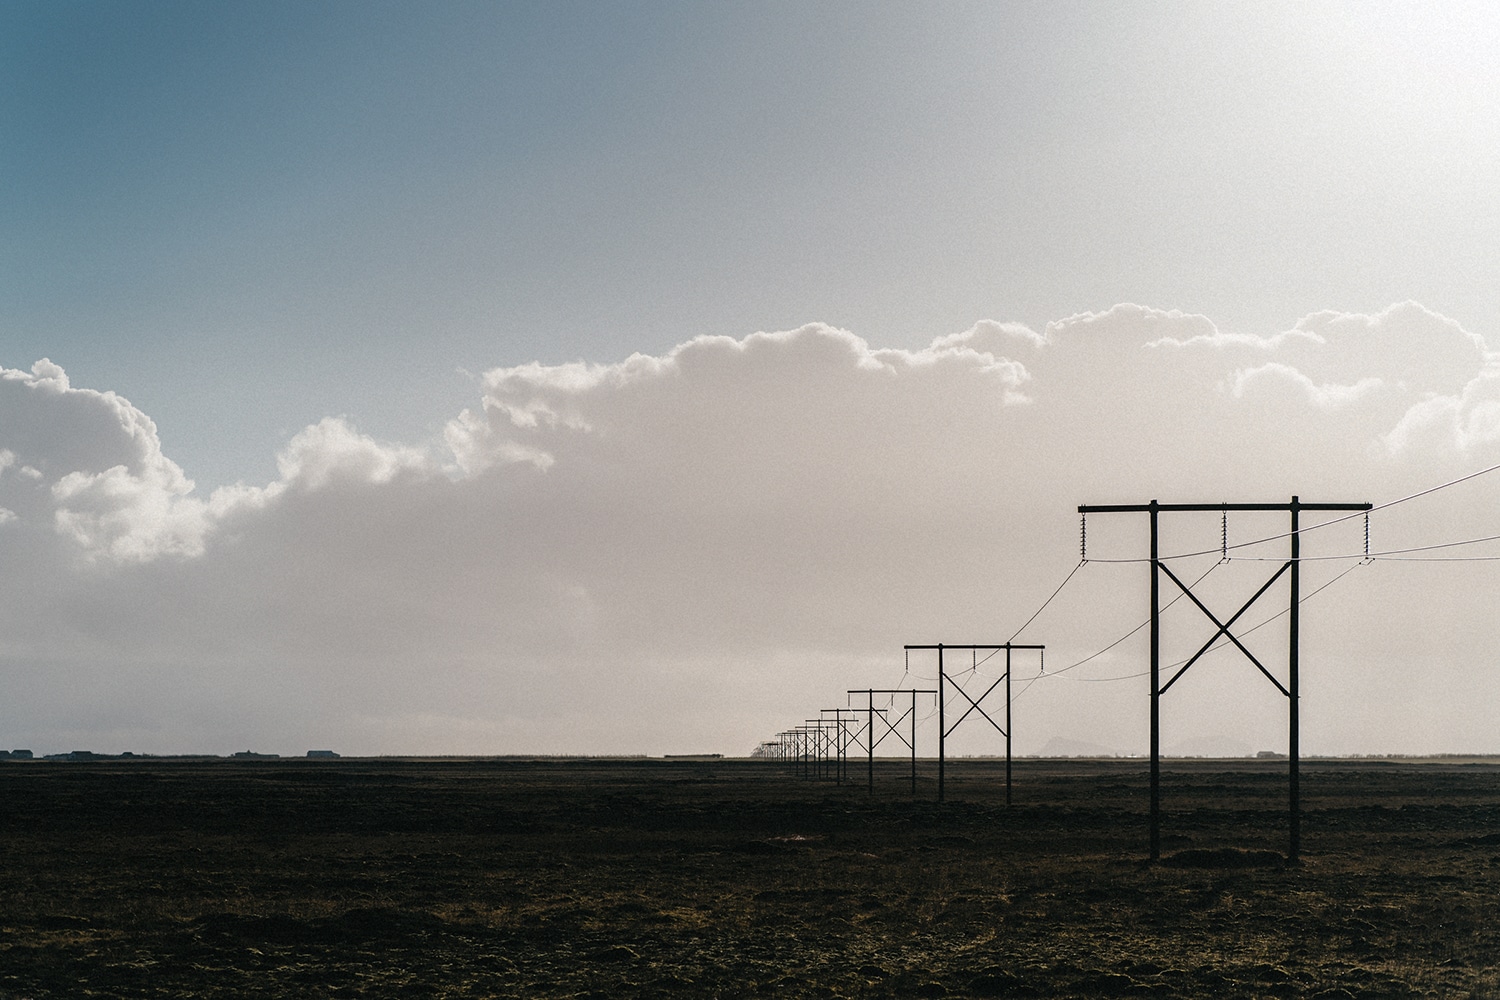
(804, 744)
(789, 747)
(944, 731)
(840, 741)
(1292, 567)
(872, 741)
(820, 730)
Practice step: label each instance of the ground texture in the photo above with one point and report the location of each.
(508, 878)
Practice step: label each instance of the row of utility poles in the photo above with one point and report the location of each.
(820, 747)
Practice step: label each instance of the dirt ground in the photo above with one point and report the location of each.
(736, 878)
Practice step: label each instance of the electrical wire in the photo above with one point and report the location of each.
(1049, 600)
(1127, 635)
(1220, 645)
(1313, 527)
(1388, 553)
(1434, 559)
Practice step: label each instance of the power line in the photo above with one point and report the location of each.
(1048, 601)
(1388, 553)
(1122, 638)
(1441, 559)
(1218, 646)
(1320, 524)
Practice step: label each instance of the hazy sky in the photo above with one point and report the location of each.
(638, 377)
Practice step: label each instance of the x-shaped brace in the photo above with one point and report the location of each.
(1224, 627)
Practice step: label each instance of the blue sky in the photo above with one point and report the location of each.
(384, 264)
(246, 216)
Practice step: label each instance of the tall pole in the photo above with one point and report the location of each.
(870, 736)
(1007, 725)
(941, 731)
(1293, 735)
(1155, 687)
(942, 705)
(847, 737)
(913, 743)
(1293, 567)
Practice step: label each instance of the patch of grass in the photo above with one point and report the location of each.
(730, 878)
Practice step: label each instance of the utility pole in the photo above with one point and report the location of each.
(815, 734)
(872, 741)
(1292, 568)
(974, 703)
(841, 741)
(804, 750)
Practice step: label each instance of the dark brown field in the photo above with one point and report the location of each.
(636, 878)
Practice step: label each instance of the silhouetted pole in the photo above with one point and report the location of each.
(840, 742)
(974, 704)
(1294, 750)
(815, 729)
(1155, 686)
(869, 694)
(913, 743)
(891, 728)
(1293, 567)
(1007, 725)
(942, 732)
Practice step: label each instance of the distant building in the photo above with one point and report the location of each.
(251, 755)
(322, 754)
(1270, 755)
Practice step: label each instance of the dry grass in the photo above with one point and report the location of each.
(683, 878)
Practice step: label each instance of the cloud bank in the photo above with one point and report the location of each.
(693, 550)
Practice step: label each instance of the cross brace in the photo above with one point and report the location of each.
(1292, 569)
(872, 741)
(944, 730)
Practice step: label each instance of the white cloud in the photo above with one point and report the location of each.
(130, 516)
(332, 451)
(1324, 397)
(91, 464)
(731, 530)
(1466, 423)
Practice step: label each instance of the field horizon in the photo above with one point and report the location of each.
(651, 877)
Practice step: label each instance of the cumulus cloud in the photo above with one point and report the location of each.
(593, 552)
(332, 451)
(92, 465)
(1324, 397)
(1466, 423)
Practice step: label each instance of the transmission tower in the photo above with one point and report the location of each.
(1292, 569)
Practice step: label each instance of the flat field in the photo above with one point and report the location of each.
(736, 878)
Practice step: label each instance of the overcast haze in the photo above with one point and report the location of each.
(501, 378)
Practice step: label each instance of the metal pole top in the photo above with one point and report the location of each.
(1295, 504)
(977, 645)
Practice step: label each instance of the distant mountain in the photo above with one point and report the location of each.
(1059, 746)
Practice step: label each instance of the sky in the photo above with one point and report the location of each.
(640, 378)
